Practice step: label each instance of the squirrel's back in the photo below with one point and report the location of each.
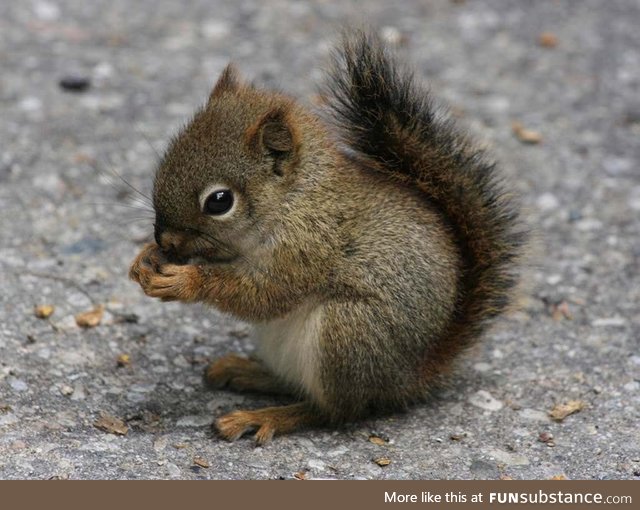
(389, 124)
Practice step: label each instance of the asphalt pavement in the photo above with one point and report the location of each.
(92, 90)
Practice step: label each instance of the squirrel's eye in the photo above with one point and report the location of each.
(219, 202)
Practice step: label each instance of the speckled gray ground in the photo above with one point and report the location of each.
(66, 238)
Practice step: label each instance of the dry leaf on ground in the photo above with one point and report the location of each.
(548, 40)
(111, 424)
(561, 311)
(91, 318)
(525, 135)
(124, 360)
(382, 461)
(561, 411)
(43, 311)
(199, 461)
(377, 440)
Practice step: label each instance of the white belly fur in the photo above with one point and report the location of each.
(290, 347)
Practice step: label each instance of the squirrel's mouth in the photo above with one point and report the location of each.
(200, 260)
(184, 251)
(172, 256)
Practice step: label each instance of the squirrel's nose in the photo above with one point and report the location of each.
(173, 244)
(165, 239)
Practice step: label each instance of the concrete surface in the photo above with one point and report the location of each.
(67, 236)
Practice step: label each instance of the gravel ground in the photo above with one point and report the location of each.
(69, 229)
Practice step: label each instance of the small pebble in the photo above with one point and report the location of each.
(31, 104)
(547, 201)
(316, 464)
(485, 400)
(46, 11)
(18, 445)
(173, 470)
(18, 385)
(73, 83)
(575, 215)
(547, 438)
(393, 36)
(66, 390)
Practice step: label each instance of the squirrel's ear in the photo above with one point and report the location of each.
(276, 133)
(273, 134)
(229, 81)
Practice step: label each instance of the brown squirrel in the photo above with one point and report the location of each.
(368, 247)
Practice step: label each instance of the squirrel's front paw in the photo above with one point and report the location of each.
(146, 264)
(174, 282)
(160, 279)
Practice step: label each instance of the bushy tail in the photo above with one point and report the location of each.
(390, 121)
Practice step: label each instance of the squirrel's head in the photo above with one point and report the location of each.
(225, 176)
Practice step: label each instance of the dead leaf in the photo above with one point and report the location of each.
(559, 477)
(300, 475)
(545, 437)
(180, 446)
(561, 411)
(561, 311)
(377, 440)
(91, 318)
(111, 424)
(548, 40)
(199, 461)
(124, 360)
(43, 311)
(525, 135)
(382, 461)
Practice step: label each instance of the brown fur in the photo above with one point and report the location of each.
(386, 259)
(268, 422)
(243, 374)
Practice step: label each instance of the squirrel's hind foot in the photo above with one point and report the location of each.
(267, 422)
(242, 374)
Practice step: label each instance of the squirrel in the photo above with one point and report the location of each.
(368, 244)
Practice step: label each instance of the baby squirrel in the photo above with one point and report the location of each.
(368, 247)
